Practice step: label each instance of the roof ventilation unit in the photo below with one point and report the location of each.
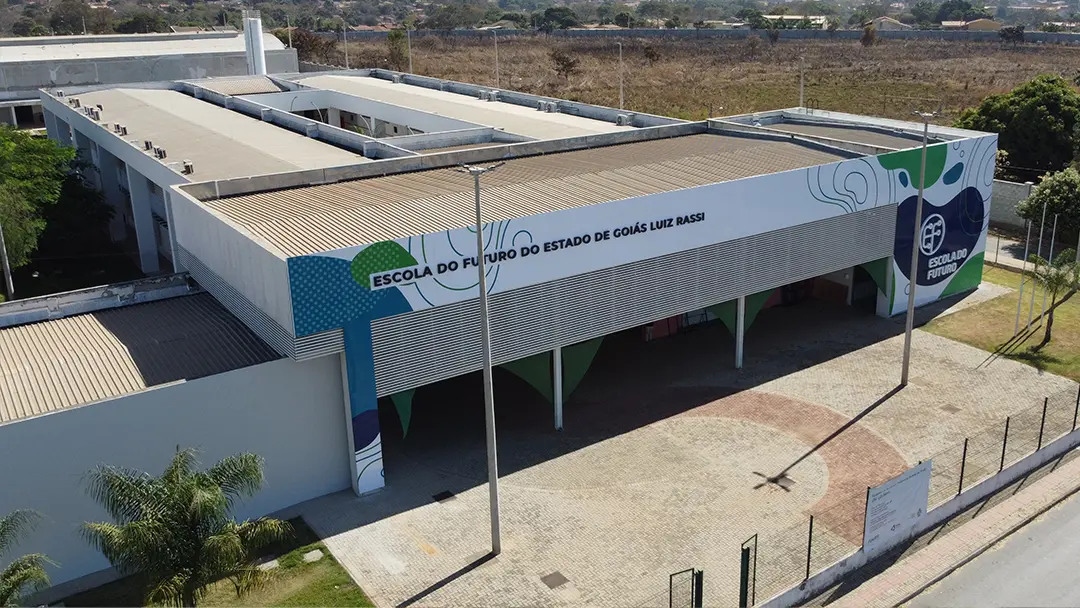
(159, 152)
(482, 95)
(493, 96)
(552, 107)
(147, 145)
(100, 107)
(541, 105)
(59, 93)
(116, 127)
(123, 130)
(189, 167)
(397, 78)
(622, 120)
(74, 101)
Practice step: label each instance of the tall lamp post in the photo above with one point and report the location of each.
(485, 337)
(345, 41)
(916, 246)
(498, 81)
(620, 76)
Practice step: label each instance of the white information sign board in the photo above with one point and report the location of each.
(894, 507)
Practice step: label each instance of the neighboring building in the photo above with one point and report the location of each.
(339, 274)
(888, 24)
(982, 25)
(28, 64)
(816, 21)
(953, 25)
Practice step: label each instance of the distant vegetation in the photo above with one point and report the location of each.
(23, 18)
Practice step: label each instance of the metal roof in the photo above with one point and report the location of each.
(221, 143)
(239, 85)
(325, 217)
(512, 118)
(67, 48)
(862, 135)
(52, 365)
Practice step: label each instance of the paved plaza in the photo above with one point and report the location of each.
(669, 460)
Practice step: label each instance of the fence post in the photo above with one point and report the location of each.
(963, 463)
(1077, 410)
(1042, 423)
(1004, 442)
(809, 547)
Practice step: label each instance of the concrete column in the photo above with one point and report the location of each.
(14, 118)
(110, 187)
(63, 131)
(144, 221)
(740, 330)
(50, 125)
(349, 420)
(556, 366)
(172, 232)
(333, 117)
(86, 154)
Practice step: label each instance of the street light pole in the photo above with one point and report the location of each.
(498, 82)
(915, 247)
(485, 337)
(408, 46)
(802, 71)
(345, 40)
(620, 76)
(8, 282)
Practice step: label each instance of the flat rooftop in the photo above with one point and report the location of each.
(221, 143)
(67, 48)
(861, 135)
(512, 118)
(53, 365)
(239, 85)
(313, 219)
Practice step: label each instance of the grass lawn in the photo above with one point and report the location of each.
(989, 326)
(293, 582)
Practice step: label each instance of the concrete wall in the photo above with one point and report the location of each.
(290, 413)
(1003, 207)
(959, 35)
(29, 76)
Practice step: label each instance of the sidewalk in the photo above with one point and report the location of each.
(907, 578)
(1003, 251)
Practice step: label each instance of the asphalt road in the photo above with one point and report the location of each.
(1035, 566)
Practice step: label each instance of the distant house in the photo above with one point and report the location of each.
(953, 25)
(888, 24)
(816, 21)
(983, 25)
(504, 24)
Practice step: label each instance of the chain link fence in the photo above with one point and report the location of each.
(785, 558)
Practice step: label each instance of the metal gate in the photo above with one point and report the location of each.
(684, 589)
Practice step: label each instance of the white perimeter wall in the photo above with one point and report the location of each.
(290, 413)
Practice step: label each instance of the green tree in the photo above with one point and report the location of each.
(625, 19)
(141, 21)
(1059, 278)
(924, 11)
(24, 574)
(69, 16)
(32, 174)
(176, 531)
(397, 48)
(1035, 122)
(1060, 194)
(558, 18)
(564, 63)
(23, 26)
(959, 10)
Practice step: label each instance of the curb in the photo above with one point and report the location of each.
(985, 547)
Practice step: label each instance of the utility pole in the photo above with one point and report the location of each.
(288, 28)
(84, 26)
(8, 282)
(916, 245)
(408, 46)
(345, 39)
(485, 337)
(1038, 252)
(1023, 269)
(620, 76)
(1050, 259)
(495, 33)
(802, 73)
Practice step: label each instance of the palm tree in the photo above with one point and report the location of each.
(24, 574)
(176, 531)
(1058, 277)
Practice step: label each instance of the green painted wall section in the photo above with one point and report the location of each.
(403, 405)
(728, 311)
(576, 360)
(536, 370)
(879, 271)
(909, 160)
(967, 278)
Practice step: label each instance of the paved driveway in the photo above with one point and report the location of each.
(663, 463)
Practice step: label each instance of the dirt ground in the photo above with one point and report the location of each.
(693, 79)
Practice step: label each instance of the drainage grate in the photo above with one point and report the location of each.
(444, 496)
(555, 579)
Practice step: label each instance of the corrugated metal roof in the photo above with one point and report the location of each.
(519, 120)
(869, 137)
(325, 217)
(52, 365)
(221, 143)
(240, 85)
(67, 48)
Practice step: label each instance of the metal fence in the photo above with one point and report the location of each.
(773, 562)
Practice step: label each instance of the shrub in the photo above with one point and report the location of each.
(564, 63)
(869, 36)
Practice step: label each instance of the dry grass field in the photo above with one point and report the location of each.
(694, 78)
